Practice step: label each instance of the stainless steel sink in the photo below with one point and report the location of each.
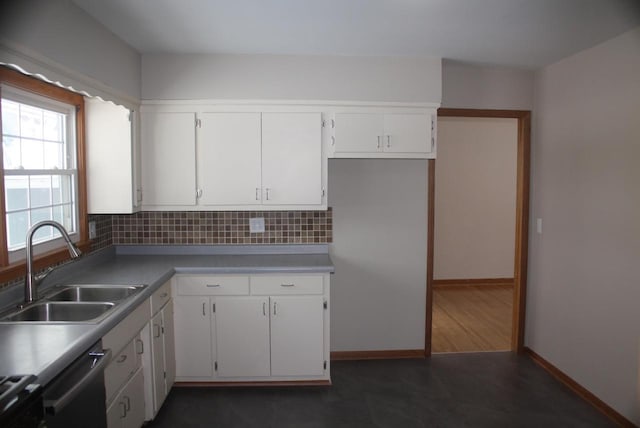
(62, 312)
(93, 293)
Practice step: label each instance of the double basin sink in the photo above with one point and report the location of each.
(78, 303)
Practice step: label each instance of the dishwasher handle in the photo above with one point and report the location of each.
(100, 360)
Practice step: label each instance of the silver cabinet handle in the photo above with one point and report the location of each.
(128, 403)
(203, 305)
(156, 333)
(198, 193)
(267, 191)
(213, 285)
(287, 285)
(275, 308)
(264, 308)
(257, 193)
(333, 140)
(388, 141)
(141, 351)
(163, 295)
(122, 359)
(378, 142)
(124, 410)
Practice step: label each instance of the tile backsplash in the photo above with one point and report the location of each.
(221, 227)
(208, 228)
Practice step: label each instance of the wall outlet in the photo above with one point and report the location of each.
(92, 230)
(256, 225)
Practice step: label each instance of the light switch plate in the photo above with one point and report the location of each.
(256, 225)
(92, 230)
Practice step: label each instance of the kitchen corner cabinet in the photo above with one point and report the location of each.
(384, 134)
(113, 158)
(252, 328)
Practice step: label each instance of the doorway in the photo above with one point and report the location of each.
(476, 290)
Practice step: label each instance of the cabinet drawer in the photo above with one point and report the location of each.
(160, 297)
(122, 334)
(286, 284)
(121, 367)
(213, 285)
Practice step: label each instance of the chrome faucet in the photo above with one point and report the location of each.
(31, 281)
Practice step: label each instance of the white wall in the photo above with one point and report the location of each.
(405, 79)
(63, 33)
(378, 292)
(475, 198)
(483, 87)
(583, 297)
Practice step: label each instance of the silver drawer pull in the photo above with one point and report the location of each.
(287, 285)
(122, 359)
(141, 350)
(163, 295)
(213, 285)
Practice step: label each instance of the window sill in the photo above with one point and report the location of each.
(42, 261)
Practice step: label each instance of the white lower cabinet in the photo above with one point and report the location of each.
(193, 337)
(296, 329)
(252, 328)
(159, 364)
(242, 336)
(127, 409)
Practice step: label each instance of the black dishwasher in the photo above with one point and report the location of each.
(76, 397)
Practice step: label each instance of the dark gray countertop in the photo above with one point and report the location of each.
(46, 349)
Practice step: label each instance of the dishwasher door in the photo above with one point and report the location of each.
(76, 398)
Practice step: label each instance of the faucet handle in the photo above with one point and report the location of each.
(38, 278)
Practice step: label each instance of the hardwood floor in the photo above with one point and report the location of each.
(472, 318)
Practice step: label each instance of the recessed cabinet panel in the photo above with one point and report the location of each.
(242, 336)
(407, 133)
(297, 326)
(229, 158)
(168, 159)
(292, 158)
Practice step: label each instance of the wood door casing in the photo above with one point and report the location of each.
(522, 221)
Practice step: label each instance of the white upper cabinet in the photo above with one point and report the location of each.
(228, 162)
(384, 135)
(168, 159)
(232, 158)
(292, 158)
(113, 162)
(358, 132)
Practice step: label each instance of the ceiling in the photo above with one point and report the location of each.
(517, 33)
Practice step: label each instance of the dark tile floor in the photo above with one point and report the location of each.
(454, 390)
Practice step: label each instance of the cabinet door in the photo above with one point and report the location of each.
(157, 352)
(407, 133)
(229, 159)
(242, 336)
(169, 345)
(358, 133)
(127, 409)
(297, 335)
(168, 158)
(110, 175)
(133, 399)
(292, 158)
(192, 336)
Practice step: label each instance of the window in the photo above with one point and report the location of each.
(42, 178)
